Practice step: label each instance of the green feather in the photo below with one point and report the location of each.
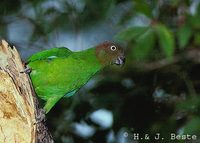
(50, 54)
(63, 75)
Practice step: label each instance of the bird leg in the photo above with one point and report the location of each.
(27, 70)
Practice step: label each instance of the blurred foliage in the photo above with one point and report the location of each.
(157, 91)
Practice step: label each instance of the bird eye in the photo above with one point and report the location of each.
(113, 48)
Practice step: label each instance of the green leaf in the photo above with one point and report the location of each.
(174, 2)
(197, 39)
(143, 7)
(144, 45)
(166, 39)
(194, 21)
(184, 34)
(189, 105)
(131, 33)
(192, 126)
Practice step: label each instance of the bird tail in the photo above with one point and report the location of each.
(50, 103)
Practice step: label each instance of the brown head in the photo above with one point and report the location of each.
(110, 53)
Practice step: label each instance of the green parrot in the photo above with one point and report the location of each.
(60, 72)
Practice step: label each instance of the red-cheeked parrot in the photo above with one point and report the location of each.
(60, 72)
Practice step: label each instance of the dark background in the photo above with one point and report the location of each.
(157, 91)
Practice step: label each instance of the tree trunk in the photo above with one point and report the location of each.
(19, 110)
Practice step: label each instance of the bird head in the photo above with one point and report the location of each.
(110, 53)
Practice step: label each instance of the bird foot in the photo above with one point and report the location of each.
(27, 70)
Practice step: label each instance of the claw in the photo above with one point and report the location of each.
(27, 70)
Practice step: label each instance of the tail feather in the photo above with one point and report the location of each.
(54, 99)
(51, 102)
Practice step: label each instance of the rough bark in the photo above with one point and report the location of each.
(19, 111)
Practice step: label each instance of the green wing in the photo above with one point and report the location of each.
(50, 54)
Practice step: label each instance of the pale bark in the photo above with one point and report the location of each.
(18, 104)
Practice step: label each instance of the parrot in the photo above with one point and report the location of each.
(60, 72)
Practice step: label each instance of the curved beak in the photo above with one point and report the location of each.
(120, 60)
